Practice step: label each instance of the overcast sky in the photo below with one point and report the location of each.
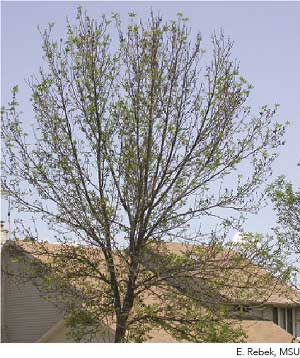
(267, 44)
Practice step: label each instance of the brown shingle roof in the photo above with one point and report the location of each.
(264, 332)
(237, 279)
(256, 332)
(245, 282)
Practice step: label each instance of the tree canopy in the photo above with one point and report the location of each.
(139, 140)
(286, 201)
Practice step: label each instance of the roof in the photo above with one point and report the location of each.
(234, 278)
(257, 331)
(234, 282)
(58, 334)
(265, 332)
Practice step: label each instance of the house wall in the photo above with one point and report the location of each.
(297, 321)
(268, 315)
(25, 315)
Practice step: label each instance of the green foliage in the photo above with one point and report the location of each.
(286, 201)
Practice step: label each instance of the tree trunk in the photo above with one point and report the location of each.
(121, 329)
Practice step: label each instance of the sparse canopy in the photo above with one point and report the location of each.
(286, 201)
(136, 140)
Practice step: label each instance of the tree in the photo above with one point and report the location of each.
(135, 143)
(286, 203)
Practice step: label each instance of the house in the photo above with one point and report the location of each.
(27, 316)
